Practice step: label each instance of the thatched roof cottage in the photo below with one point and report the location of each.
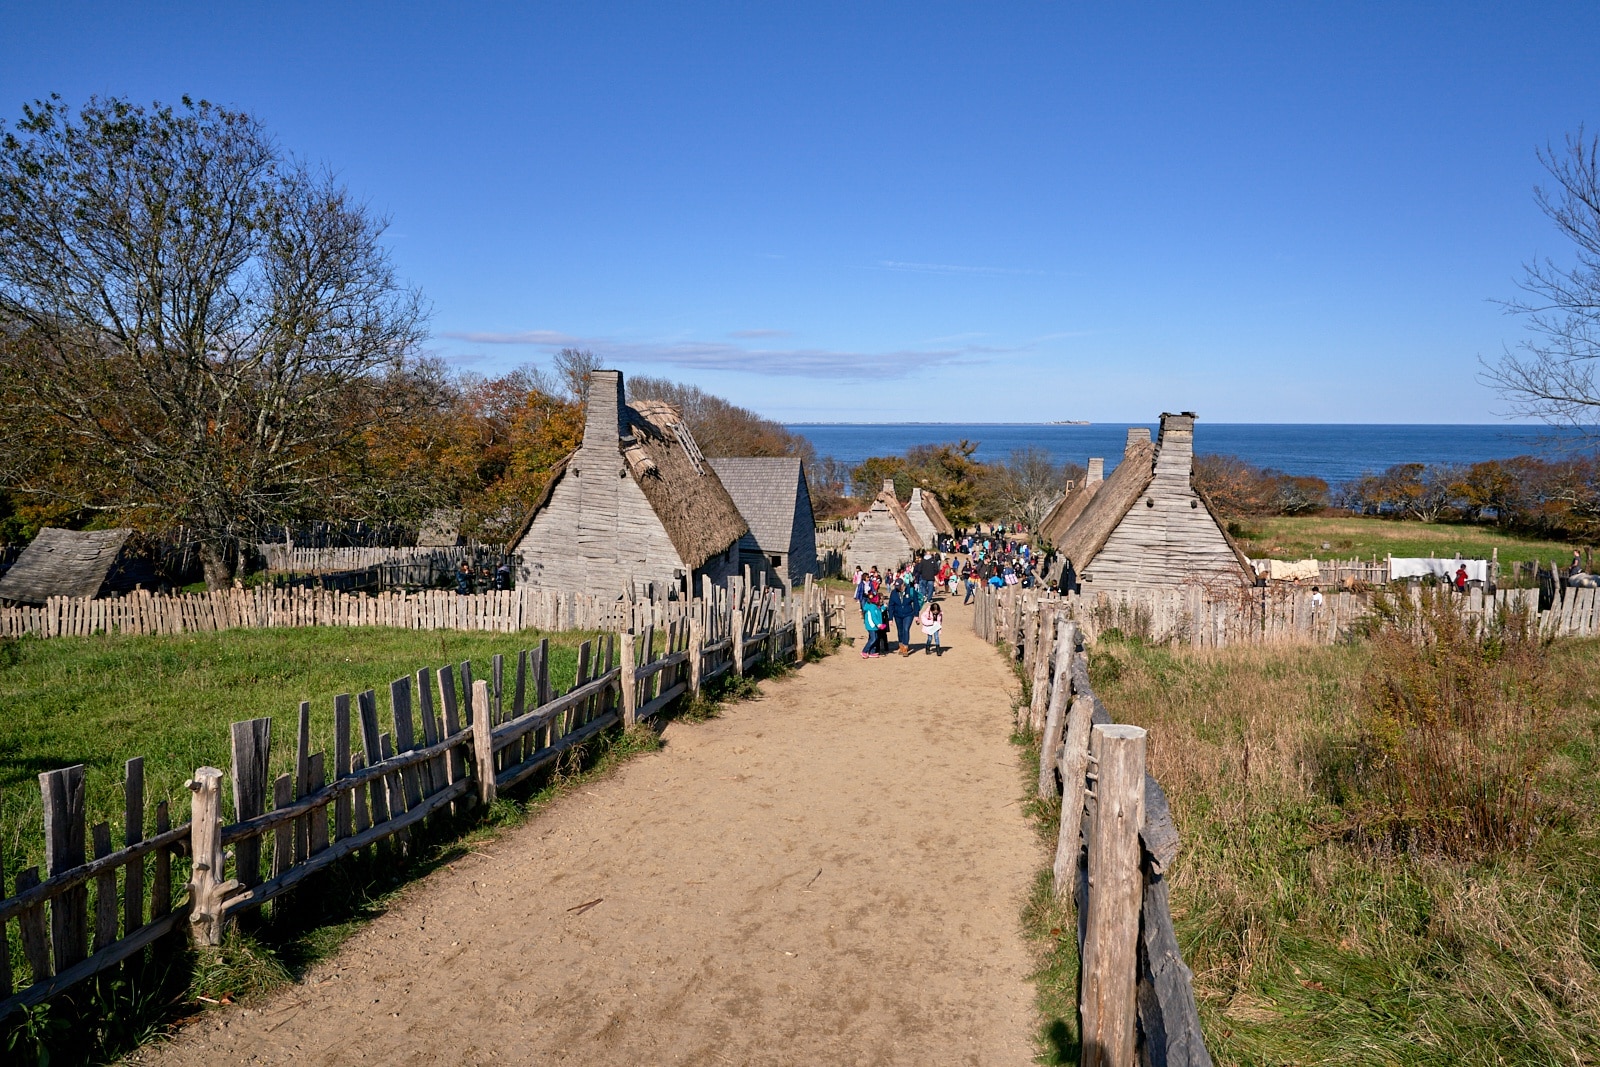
(635, 506)
(771, 494)
(1147, 525)
(76, 563)
(884, 535)
(1069, 507)
(928, 517)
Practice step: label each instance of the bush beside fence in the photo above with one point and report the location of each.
(454, 742)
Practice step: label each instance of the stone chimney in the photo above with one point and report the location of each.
(1135, 435)
(1097, 471)
(888, 486)
(602, 425)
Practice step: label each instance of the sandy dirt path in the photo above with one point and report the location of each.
(831, 874)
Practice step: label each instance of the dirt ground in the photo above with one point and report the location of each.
(831, 874)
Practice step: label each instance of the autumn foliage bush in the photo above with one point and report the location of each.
(1455, 724)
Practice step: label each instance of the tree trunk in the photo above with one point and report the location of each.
(218, 565)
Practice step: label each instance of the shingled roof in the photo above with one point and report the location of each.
(767, 490)
(63, 563)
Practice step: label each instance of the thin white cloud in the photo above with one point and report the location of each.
(950, 268)
(837, 364)
(752, 334)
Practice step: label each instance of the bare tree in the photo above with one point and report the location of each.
(191, 322)
(1031, 485)
(572, 369)
(1551, 375)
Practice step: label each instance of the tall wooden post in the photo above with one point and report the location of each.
(1043, 628)
(482, 742)
(207, 890)
(1116, 891)
(1074, 766)
(1066, 640)
(630, 686)
(697, 638)
(736, 633)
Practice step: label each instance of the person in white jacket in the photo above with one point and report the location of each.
(932, 621)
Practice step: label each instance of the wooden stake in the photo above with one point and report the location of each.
(482, 743)
(736, 628)
(1061, 686)
(1074, 765)
(1116, 885)
(207, 890)
(630, 687)
(696, 657)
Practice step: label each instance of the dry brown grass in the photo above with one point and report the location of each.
(1311, 944)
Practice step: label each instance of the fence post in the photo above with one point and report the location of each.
(1074, 765)
(207, 890)
(1039, 640)
(696, 656)
(1116, 890)
(482, 743)
(736, 633)
(1066, 639)
(630, 687)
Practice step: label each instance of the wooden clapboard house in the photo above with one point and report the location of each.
(884, 535)
(771, 494)
(75, 563)
(1147, 525)
(928, 517)
(635, 510)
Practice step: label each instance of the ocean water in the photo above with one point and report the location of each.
(1336, 453)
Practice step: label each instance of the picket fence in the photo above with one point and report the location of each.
(503, 611)
(1115, 849)
(454, 742)
(1202, 618)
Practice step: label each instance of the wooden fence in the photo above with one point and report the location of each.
(1116, 846)
(1201, 618)
(505, 611)
(383, 568)
(453, 742)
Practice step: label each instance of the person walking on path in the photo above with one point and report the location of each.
(932, 621)
(872, 622)
(902, 609)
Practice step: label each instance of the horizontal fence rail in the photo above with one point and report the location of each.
(447, 744)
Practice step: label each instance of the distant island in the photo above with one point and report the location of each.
(1067, 422)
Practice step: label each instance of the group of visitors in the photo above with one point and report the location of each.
(470, 581)
(903, 596)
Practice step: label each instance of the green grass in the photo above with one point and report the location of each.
(1308, 947)
(99, 700)
(102, 700)
(1302, 537)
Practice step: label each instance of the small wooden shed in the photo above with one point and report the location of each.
(884, 535)
(771, 494)
(76, 563)
(928, 517)
(636, 508)
(1149, 526)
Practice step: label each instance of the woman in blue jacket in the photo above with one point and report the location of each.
(902, 609)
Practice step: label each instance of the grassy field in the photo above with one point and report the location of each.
(1302, 537)
(102, 700)
(1309, 946)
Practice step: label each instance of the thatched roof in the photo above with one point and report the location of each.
(63, 563)
(1056, 524)
(1105, 507)
(931, 508)
(891, 503)
(768, 491)
(661, 456)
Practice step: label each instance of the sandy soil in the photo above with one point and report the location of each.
(829, 875)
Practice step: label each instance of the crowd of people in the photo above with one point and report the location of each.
(910, 595)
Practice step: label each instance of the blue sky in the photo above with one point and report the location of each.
(953, 212)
